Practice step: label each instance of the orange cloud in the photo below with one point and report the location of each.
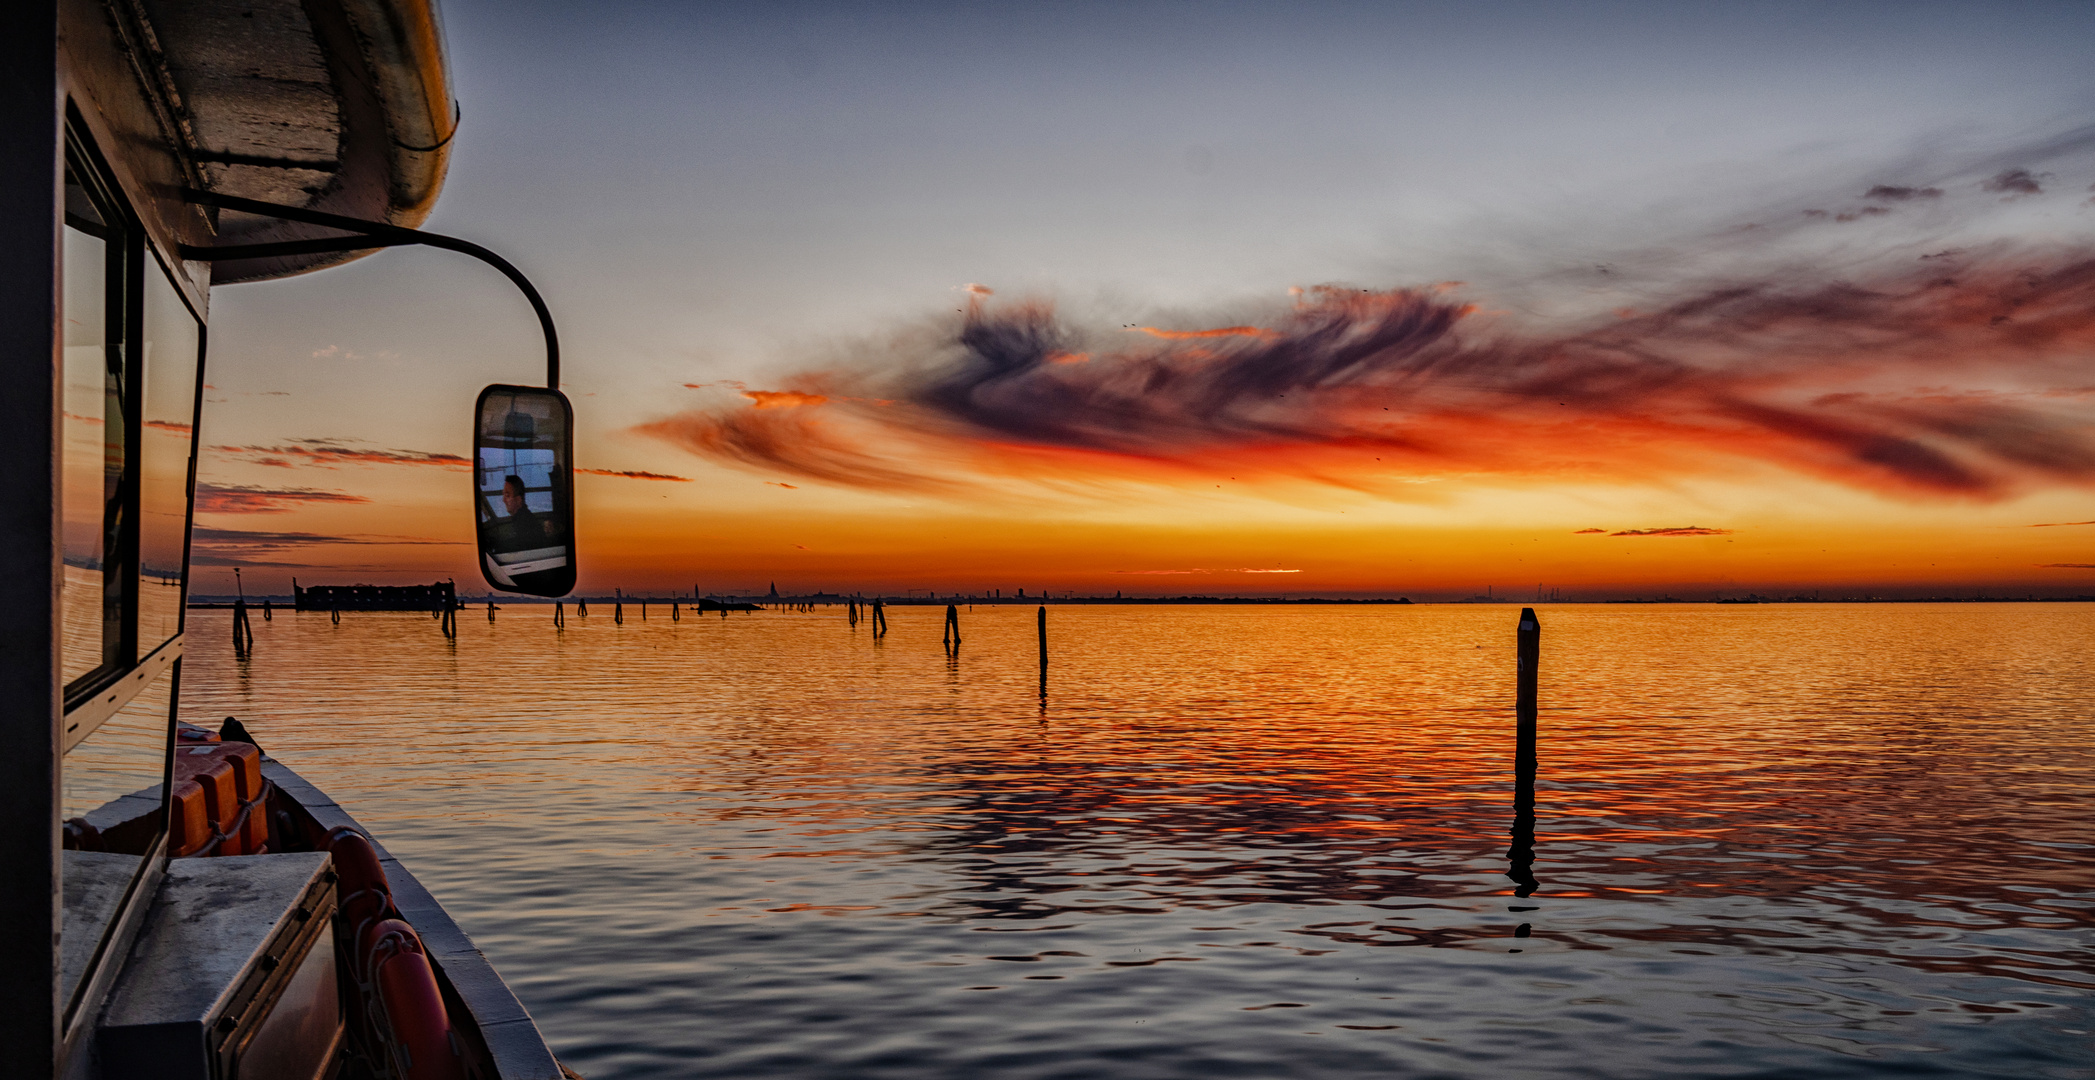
(1181, 335)
(1685, 530)
(329, 453)
(1964, 380)
(248, 499)
(782, 399)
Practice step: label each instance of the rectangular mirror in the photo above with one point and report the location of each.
(523, 480)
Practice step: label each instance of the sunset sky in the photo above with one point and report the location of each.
(1613, 299)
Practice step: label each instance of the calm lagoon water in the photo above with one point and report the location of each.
(1784, 841)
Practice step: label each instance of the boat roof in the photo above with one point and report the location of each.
(339, 106)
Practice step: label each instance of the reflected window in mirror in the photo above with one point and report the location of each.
(523, 446)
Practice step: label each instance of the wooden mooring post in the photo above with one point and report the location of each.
(243, 633)
(950, 636)
(559, 615)
(1520, 854)
(879, 618)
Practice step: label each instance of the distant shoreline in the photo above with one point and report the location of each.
(207, 603)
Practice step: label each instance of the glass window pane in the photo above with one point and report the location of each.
(86, 483)
(110, 802)
(164, 441)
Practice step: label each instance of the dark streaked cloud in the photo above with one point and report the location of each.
(329, 453)
(635, 474)
(250, 499)
(2067, 566)
(1583, 532)
(2014, 182)
(249, 547)
(1957, 379)
(1682, 530)
(2059, 524)
(1894, 193)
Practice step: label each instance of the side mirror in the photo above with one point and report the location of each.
(523, 489)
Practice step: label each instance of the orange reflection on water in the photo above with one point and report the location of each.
(1805, 796)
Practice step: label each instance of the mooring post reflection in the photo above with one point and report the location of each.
(1521, 855)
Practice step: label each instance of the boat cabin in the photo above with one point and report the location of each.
(177, 903)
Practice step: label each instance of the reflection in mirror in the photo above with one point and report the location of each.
(523, 450)
(110, 803)
(93, 455)
(171, 357)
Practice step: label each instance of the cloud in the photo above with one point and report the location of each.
(330, 453)
(2067, 566)
(248, 499)
(1684, 530)
(1186, 335)
(1202, 570)
(635, 474)
(167, 425)
(1962, 382)
(244, 547)
(783, 484)
(2013, 182)
(1582, 532)
(2060, 524)
(1890, 193)
(782, 399)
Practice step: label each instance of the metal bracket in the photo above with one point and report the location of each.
(368, 235)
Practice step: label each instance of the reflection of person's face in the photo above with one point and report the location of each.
(513, 498)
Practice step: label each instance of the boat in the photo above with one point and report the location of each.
(179, 903)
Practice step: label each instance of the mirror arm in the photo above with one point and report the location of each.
(370, 235)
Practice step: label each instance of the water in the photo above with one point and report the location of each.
(1785, 841)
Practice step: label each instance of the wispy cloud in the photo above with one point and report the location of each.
(1684, 530)
(1201, 570)
(2067, 566)
(1962, 378)
(248, 547)
(2014, 182)
(1897, 193)
(635, 474)
(331, 453)
(214, 498)
(2060, 524)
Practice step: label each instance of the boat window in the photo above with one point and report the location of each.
(94, 462)
(129, 400)
(109, 801)
(165, 443)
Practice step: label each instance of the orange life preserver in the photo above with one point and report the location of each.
(422, 1043)
(365, 895)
